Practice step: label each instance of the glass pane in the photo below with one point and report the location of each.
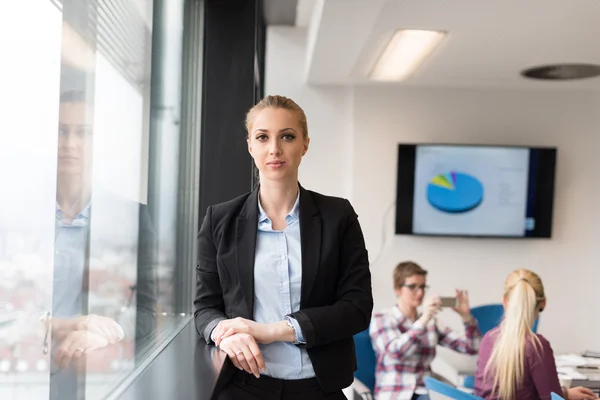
(29, 78)
(90, 174)
(105, 279)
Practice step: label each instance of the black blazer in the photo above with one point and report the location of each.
(336, 298)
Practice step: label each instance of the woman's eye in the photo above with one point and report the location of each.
(288, 137)
(261, 137)
(83, 132)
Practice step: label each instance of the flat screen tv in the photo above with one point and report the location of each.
(475, 190)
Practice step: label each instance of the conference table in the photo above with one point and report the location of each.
(592, 381)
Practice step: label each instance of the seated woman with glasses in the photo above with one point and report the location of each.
(404, 339)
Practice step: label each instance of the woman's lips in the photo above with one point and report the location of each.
(276, 164)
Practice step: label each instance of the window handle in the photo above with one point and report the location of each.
(47, 321)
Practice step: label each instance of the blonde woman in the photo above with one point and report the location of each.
(514, 363)
(283, 279)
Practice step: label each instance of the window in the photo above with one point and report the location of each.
(97, 197)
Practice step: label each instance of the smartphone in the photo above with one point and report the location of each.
(448, 301)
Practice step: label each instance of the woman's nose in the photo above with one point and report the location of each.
(275, 148)
(68, 140)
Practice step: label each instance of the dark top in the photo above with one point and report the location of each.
(540, 377)
(336, 300)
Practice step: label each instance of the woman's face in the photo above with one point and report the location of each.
(74, 139)
(412, 291)
(276, 143)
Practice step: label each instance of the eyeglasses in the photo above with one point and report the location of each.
(413, 287)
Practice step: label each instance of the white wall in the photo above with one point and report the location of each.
(325, 166)
(568, 263)
(355, 132)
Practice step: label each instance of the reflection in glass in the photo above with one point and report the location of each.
(104, 291)
(87, 233)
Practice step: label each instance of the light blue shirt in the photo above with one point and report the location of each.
(70, 242)
(69, 261)
(277, 289)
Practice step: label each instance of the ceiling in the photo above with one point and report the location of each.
(488, 43)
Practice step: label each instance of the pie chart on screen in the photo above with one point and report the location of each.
(454, 192)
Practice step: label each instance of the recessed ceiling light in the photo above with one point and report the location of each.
(405, 52)
(561, 72)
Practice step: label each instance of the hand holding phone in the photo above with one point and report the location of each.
(431, 307)
(449, 302)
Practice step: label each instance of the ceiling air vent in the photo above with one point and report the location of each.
(562, 72)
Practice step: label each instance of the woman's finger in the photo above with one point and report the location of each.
(587, 393)
(243, 362)
(258, 357)
(232, 356)
(63, 351)
(104, 326)
(68, 355)
(115, 333)
(220, 335)
(230, 332)
(92, 327)
(218, 331)
(251, 361)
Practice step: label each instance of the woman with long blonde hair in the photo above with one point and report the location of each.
(514, 362)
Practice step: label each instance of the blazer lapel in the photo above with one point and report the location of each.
(310, 237)
(245, 245)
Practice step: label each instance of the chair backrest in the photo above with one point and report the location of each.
(440, 390)
(556, 397)
(365, 359)
(490, 316)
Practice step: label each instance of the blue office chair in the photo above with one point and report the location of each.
(556, 397)
(439, 387)
(366, 362)
(488, 317)
(364, 376)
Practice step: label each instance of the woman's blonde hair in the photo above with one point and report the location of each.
(523, 294)
(277, 101)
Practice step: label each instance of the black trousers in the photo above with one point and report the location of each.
(244, 386)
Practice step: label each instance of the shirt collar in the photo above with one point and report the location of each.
(293, 214)
(402, 319)
(80, 219)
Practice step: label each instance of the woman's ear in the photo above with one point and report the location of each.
(306, 143)
(542, 305)
(397, 292)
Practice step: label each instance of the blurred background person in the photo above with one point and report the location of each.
(514, 362)
(405, 340)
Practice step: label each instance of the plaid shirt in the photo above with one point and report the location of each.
(405, 350)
